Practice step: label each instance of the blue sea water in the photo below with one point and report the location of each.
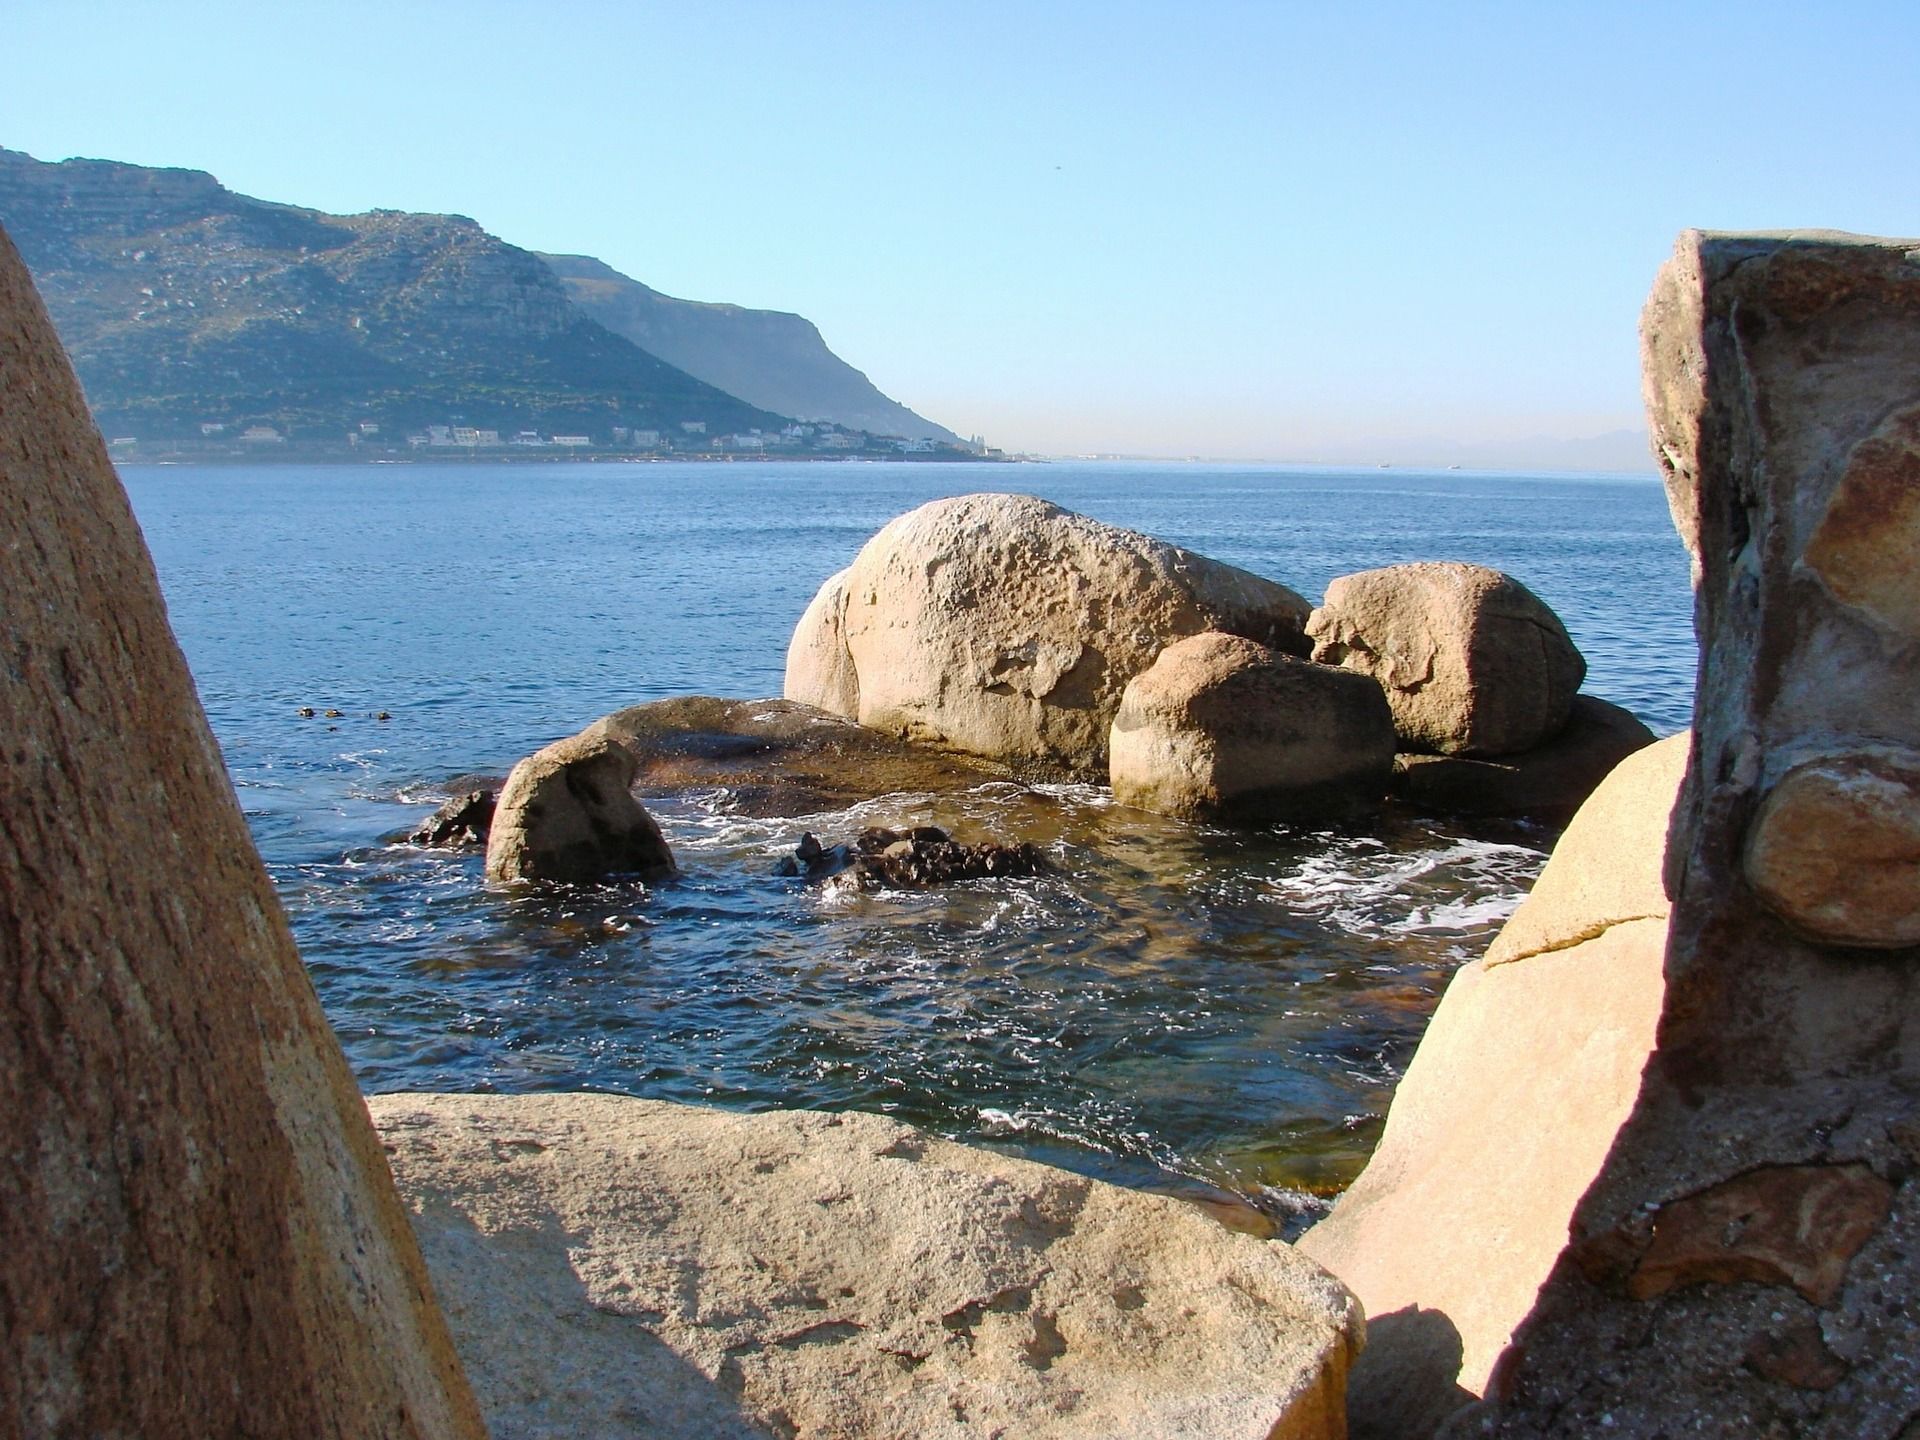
(1172, 1001)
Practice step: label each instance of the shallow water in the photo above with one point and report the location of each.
(1169, 1001)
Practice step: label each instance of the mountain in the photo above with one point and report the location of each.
(766, 357)
(183, 303)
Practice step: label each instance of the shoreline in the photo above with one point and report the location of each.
(282, 457)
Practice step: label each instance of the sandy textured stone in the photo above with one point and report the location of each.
(198, 1236)
(1606, 868)
(1835, 849)
(615, 1267)
(1004, 626)
(1472, 661)
(1780, 372)
(568, 813)
(1224, 727)
(1511, 1103)
(1547, 783)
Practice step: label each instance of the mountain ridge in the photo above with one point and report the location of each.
(771, 358)
(187, 306)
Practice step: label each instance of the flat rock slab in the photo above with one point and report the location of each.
(621, 1267)
(778, 757)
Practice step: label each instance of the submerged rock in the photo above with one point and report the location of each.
(568, 813)
(1003, 626)
(843, 1277)
(461, 823)
(1472, 662)
(1220, 727)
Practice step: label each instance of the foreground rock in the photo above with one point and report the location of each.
(1548, 783)
(1522, 1080)
(198, 1234)
(1742, 1261)
(1003, 626)
(615, 1266)
(1472, 661)
(1220, 727)
(567, 813)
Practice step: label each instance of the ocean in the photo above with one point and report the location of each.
(1173, 1006)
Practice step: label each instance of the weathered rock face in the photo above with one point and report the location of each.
(1006, 627)
(568, 813)
(614, 1265)
(1221, 726)
(1743, 1260)
(198, 1234)
(1519, 1086)
(1472, 661)
(1547, 783)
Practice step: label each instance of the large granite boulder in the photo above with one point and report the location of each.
(568, 813)
(1528, 1068)
(614, 1267)
(1472, 661)
(1003, 626)
(198, 1233)
(1547, 783)
(1742, 1262)
(1221, 727)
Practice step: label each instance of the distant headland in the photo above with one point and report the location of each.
(208, 325)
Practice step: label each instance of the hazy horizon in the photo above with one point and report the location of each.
(1238, 231)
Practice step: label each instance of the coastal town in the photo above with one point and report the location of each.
(370, 440)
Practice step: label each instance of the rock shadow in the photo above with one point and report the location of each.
(1404, 1384)
(546, 1361)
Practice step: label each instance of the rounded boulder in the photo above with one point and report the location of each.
(1472, 662)
(1222, 727)
(568, 813)
(1004, 626)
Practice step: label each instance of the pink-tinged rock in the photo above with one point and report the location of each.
(1797, 1225)
(1835, 849)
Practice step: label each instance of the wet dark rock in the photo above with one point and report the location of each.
(915, 859)
(460, 824)
(815, 861)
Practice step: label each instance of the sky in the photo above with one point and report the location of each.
(1349, 233)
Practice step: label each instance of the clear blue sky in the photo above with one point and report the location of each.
(1272, 230)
